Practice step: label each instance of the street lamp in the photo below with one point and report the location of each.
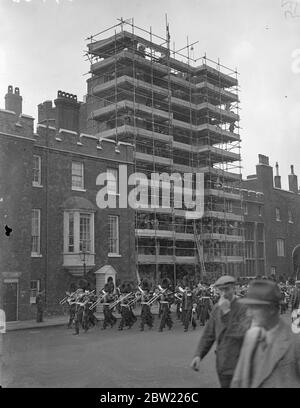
(83, 254)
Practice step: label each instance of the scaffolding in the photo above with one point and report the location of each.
(181, 113)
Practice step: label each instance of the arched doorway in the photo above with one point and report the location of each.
(296, 261)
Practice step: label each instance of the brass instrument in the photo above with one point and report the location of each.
(120, 299)
(178, 296)
(137, 296)
(84, 295)
(100, 297)
(65, 299)
(156, 296)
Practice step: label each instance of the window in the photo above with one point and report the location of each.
(71, 233)
(36, 171)
(249, 231)
(35, 231)
(228, 206)
(77, 176)
(78, 232)
(249, 247)
(290, 217)
(245, 208)
(277, 214)
(280, 247)
(34, 289)
(113, 240)
(85, 232)
(112, 181)
(273, 270)
(260, 210)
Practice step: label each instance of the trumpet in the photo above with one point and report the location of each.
(100, 297)
(64, 300)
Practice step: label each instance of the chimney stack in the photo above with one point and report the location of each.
(67, 111)
(13, 101)
(262, 159)
(264, 173)
(277, 178)
(293, 181)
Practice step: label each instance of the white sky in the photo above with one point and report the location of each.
(42, 44)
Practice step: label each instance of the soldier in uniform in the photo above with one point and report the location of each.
(187, 308)
(178, 301)
(78, 319)
(146, 315)
(205, 305)
(72, 308)
(165, 301)
(127, 316)
(39, 307)
(89, 319)
(109, 318)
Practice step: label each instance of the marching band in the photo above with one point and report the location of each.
(191, 302)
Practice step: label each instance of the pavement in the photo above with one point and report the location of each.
(61, 320)
(54, 357)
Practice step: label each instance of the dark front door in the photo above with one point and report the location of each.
(10, 301)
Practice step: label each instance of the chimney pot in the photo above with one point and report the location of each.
(13, 101)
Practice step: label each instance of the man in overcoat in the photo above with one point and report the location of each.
(270, 356)
(226, 327)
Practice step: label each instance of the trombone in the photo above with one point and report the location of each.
(64, 300)
(156, 296)
(137, 296)
(119, 300)
(100, 297)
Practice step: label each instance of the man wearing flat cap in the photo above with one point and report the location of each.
(270, 356)
(226, 326)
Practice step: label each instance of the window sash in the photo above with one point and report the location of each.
(34, 287)
(77, 175)
(36, 171)
(71, 233)
(35, 231)
(280, 247)
(112, 181)
(228, 205)
(277, 212)
(113, 240)
(85, 232)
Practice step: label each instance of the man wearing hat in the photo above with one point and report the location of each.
(295, 297)
(226, 326)
(270, 356)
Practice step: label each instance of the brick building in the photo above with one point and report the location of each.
(48, 192)
(254, 233)
(279, 211)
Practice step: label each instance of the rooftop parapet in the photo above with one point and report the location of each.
(16, 125)
(82, 143)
